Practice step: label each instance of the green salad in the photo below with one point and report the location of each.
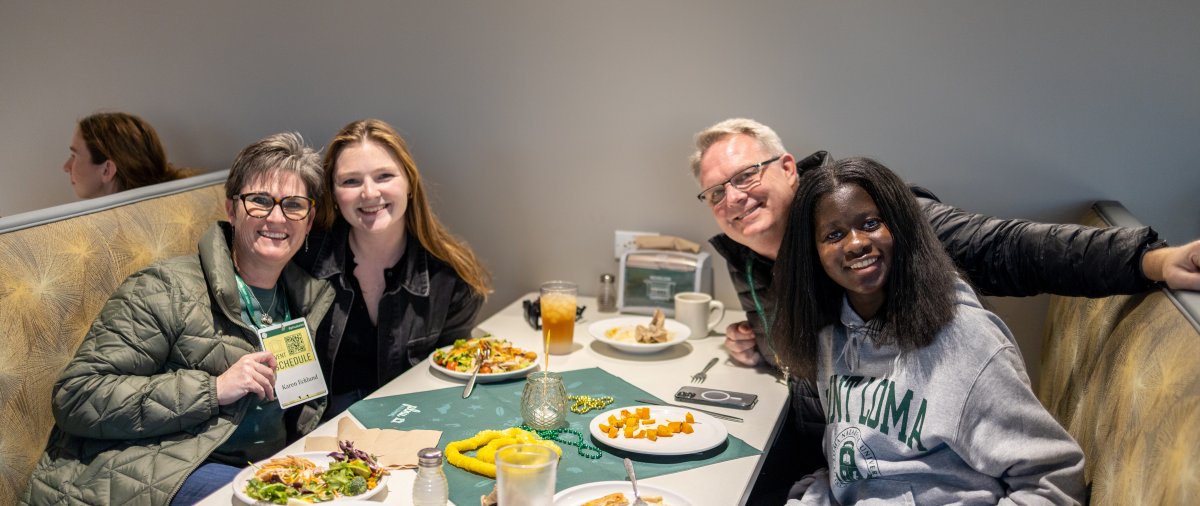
(352, 473)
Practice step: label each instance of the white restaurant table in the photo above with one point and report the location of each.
(661, 374)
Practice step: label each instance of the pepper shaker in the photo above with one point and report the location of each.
(607, 297)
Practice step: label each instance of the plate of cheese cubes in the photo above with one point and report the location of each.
(657, 430)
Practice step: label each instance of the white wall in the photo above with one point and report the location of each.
(545, 125)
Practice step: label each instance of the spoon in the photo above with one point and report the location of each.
(637, 499)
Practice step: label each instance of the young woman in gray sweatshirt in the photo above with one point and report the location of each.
(925, 392)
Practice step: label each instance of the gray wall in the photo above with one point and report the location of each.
(545, 125)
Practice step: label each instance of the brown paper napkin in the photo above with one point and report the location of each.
(394, 449)
(666, 242)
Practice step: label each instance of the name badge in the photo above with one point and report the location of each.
(298, 376)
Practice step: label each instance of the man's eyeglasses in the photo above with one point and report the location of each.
(260, 205)
(743, 180)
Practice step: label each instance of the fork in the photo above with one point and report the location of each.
(703, 374)
(637, 498)
(481, 356)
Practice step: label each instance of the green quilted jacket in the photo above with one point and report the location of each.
(136, 408)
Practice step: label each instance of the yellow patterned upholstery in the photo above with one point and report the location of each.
(1122, 374)
(53, 280)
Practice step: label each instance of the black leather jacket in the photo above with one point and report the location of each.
(1000, 257)
(429, 308)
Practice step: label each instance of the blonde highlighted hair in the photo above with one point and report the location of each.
(766, 137)
(419, 220)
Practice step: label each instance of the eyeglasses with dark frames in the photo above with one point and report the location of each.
(743, 180)
(260, 205)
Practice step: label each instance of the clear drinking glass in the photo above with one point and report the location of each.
(525, 475)
(558, 316)
(544, 401)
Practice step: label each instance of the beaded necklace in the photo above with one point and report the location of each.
(585, 450)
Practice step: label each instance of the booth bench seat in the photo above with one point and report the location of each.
(57, 268)
(1122, 374)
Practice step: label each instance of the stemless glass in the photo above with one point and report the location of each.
(544, 401)
(558, 317)
(525, 475)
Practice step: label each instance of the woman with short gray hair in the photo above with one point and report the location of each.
(171, 393)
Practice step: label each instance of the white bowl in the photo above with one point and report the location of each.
(676, 332)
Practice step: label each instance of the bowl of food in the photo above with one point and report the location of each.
(504, 361)
(640, 334)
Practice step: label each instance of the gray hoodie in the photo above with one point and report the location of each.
(954, 422)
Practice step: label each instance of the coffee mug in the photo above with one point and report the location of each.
(699, 312)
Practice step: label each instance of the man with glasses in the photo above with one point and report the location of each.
(749, 179)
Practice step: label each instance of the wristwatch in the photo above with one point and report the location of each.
(1148, 247)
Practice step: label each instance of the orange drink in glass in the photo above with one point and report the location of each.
(558, 316)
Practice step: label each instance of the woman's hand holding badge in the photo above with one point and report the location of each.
(254, 373)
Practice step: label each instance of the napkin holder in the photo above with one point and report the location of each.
(649, 279)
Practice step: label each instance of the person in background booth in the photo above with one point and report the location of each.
(116, 151)
(171, 393)
(405, 285)
(749, 179)
(870, 306)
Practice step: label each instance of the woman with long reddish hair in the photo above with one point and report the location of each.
(405, 285)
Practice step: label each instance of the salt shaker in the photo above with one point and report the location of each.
(430, 487)
(607, 298)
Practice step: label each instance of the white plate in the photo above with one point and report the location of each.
(677, 332)
(708, 432)
(483, 378)
(580, 494)
(322, 460)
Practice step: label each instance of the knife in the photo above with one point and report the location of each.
(714, 414)
(475, 373)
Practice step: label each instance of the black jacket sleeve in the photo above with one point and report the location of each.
(1007, 257)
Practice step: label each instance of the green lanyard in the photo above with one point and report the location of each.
(762, 315)
(257, 317)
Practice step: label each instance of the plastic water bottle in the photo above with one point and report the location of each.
(430, 487)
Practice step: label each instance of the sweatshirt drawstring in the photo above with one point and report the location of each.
(850, 348)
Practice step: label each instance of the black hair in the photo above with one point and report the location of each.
(920, 285)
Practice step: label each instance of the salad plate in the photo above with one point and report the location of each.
(708, 432)
(322, 460)
(580, 494)
(618, 333)
(462, 352)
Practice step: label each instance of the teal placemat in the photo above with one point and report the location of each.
(498, 406)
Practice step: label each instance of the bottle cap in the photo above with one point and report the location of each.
(429, 457)
(606, 278)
